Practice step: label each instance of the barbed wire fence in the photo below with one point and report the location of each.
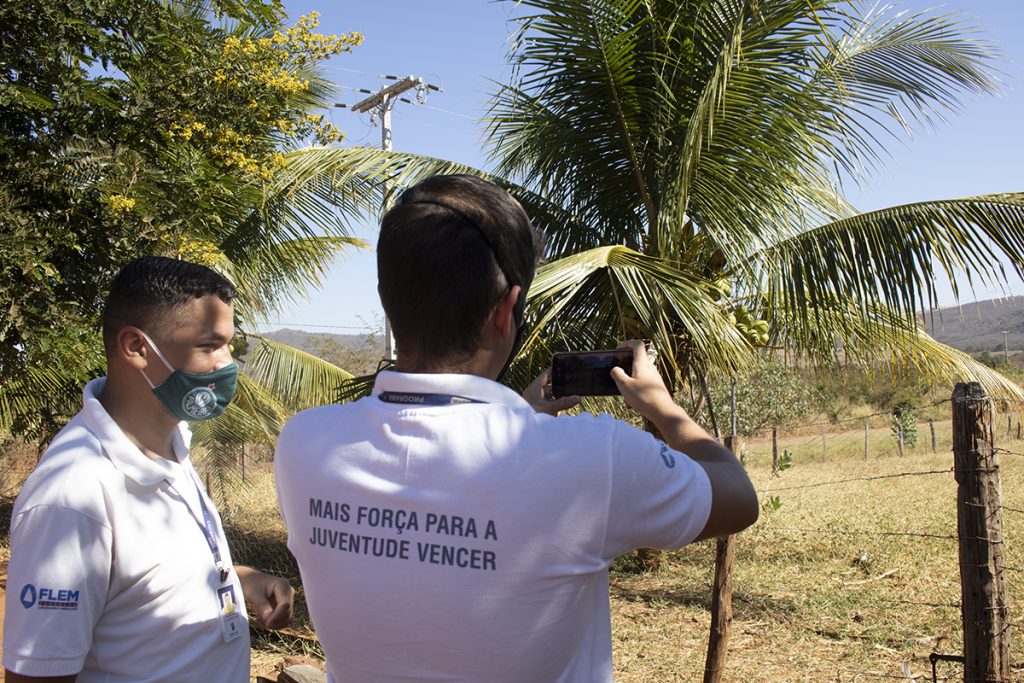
(984, 604)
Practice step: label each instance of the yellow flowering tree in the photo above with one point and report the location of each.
(148, 126)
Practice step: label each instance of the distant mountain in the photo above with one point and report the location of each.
(978, 326)
(358, 353)
(307, 341)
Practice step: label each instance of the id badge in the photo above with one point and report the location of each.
(231, 623)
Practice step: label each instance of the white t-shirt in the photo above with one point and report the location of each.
(111, 576)
(471, 541)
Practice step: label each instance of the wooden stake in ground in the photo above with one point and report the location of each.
(775, 449)
(865, 440)
(980, 532)
(823, 443)
(721, 601)
(931, 425)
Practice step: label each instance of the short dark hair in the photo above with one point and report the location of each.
(448, 249)
(147, 292)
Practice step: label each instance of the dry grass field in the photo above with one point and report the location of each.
(854, 580)
(852, 577)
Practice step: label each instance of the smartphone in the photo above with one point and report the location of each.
(588, 373)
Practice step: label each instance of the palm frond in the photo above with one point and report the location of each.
(300, 380)
(271, 273)
(845, 332)
(893, 255)
(359, 180)
(37, 392)
(947, 364)
(357, 387)
(908, 67)
(599, 297)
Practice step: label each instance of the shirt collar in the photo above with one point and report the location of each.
(467, 386)
(126, 457)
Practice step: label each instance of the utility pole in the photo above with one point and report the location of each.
(380, 103)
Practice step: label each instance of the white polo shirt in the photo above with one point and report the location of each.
(111, 576)
(471, 541)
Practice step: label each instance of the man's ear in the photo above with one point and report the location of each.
(505, 311)
(131, 347)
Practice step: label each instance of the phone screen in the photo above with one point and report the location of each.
(588, 373)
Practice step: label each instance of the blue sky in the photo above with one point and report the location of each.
(461, 46)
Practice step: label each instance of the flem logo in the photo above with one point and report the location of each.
(48, 598)
(28, 596)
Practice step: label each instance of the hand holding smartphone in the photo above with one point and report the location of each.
(588, 373)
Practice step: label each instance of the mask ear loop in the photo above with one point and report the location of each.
(159, 355)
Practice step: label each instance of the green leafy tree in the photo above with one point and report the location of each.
(129, 128)
(904, 427)
(768, 394)
(360, 355)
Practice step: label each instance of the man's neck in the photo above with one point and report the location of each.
(480, 364)
(148, 427)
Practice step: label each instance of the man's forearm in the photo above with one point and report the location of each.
(734, 500)
(682, 433)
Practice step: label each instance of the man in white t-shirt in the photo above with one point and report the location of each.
(448, 529)
(119, 570)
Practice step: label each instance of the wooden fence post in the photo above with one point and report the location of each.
(865, 439)
(823, 443)
(931, 426)
(899, 436)
(980, 531)
(721, 600)
(775, 449)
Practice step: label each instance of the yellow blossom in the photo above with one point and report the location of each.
(119, 204)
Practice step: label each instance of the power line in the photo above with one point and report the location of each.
(329, 67)
(453, 113)
(423, 124)
(333, 327)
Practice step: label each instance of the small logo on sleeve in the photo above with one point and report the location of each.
(667, 457)
(48, 598)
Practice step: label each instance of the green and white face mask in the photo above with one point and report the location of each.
(194, 396)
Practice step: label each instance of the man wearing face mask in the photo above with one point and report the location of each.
(119, 568)
(448, 529)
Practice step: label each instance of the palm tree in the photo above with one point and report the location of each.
(685, 160)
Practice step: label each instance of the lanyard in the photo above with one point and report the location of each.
(209, 529)
(420, 399)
